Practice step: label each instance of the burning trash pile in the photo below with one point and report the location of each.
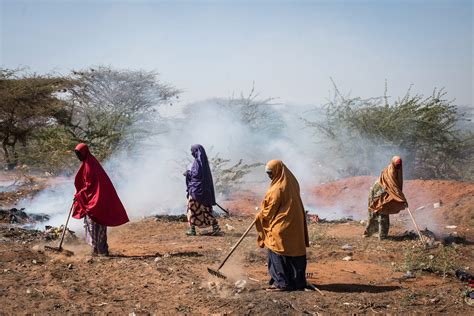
(469, 279)
(315, 219)
(18, 216)
(431, 239)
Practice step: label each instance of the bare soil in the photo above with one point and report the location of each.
(155, 268)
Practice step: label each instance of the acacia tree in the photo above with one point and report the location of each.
(27, 103)
(423, 129)
(108, 107)
(255, 112)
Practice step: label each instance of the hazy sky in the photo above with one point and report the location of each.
(289, 48)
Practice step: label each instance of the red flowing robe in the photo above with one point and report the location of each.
(95, 194)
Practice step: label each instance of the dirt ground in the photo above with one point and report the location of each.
(155, 268)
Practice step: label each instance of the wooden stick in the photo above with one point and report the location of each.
(227, 212)
(416, 226)
(65, 228)
(236, 244)
(313, 287)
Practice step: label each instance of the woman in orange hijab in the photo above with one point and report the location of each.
(386, 197)
(281, 227)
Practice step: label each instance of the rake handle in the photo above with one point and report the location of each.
(236, 245)
(416, 226)
(65, 227)
(227, 212)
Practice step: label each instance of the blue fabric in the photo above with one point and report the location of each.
(287, 273)
(199, 179)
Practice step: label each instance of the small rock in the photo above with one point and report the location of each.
(157, 259)
(362, 222)
(240, 284)
(409, 275)
(346, 247)
(431, 257)
(250, 306)
(434, 300)
(34, 261)
(28, 291)
(70, 266)
(347, 258)
(166, 255)
(229, 227)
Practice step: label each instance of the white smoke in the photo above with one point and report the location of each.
(148, 177)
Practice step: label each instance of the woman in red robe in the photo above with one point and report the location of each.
(96, 201)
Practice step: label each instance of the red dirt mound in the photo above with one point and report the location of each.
(349, 197)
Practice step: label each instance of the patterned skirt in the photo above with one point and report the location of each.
(96, 236)
(199, 214)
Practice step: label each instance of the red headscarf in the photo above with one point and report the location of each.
(95, 194)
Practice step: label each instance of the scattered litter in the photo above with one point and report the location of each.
(437, 205)
(346, 247)
(157, 259)
(28, 291)
(70, 266)
(464, 276)
(347, 258)
(171, 218)
(312, 218)
(408, 275)
(34, 261)
(53, 233)
(451, 227)
(240, 284)
(229, 227)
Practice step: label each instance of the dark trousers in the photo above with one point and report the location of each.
(288, 273)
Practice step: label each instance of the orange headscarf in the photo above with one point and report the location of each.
(281, 223)
(391, 180)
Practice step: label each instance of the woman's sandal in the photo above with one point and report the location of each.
(274, 289)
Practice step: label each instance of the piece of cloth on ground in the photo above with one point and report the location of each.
(377, 223)
(386, 195)
(287, 273)
(281, 223)
(95, 194)
(200, 215)
(96, 236)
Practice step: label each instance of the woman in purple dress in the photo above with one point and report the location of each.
(201, 196)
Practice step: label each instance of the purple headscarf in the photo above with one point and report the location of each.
(199, 178)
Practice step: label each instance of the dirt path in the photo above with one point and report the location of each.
(133, 280)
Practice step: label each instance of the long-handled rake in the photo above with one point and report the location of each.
(226, 211)
(416, 226)
(60, 247)
(217, 273)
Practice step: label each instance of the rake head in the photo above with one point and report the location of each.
(216, 273)
(62, 250)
